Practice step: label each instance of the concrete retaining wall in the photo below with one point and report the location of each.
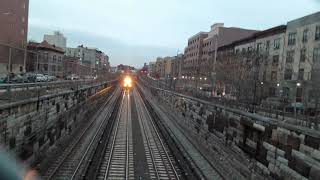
(31, 126)
(281, 150)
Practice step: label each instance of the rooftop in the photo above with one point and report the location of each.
(45, 45)
(261, 34)
(198, 34)
(309, 19)
(257, 35)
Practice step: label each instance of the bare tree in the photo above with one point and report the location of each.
(241, 73)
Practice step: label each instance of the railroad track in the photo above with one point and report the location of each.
(160, 161)
(69, 164)
(117, 162)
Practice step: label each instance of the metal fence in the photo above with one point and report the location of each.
(301, 117)
(12, 59)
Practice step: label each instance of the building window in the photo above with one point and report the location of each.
(301, 74)
(272, 91)
(46, 56)
(316, 55)
(317, 36)
(286, 91)
(303, 55)
(23, 19)
(288, 74)
(273, 75)
(276, 44)
(54, 58)
(259, 46)
(45, 67)
(275, 60)
(305, 36)
(267, 45)
(292, 39)
(21, 68)
(264, 76)
(22, 32)
(59, 59)
(290, 56)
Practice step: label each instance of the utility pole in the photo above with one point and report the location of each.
(25, 59)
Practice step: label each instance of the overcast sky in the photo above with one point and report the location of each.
(137, 31)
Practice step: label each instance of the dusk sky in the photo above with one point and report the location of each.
(137, 31)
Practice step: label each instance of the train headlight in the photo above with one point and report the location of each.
(127, 82)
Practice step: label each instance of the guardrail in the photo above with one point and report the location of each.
(45, 97)
(268, 111)
(24, 85)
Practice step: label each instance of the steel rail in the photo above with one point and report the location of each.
(158, 135)
(114, 142)
(73, 146)
(144, 108)
(148, 143)
(87, 150)
(127, 133)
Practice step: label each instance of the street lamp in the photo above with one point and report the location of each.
(295, 101)
(205, 78)
(278, 85)
(261, 83)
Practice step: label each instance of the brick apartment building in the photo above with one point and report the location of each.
(200, 51)
(265, 48)
(72, 65)
(45, 59)
(13, 35)
(291, 56)
(193, 54)
(93, 57)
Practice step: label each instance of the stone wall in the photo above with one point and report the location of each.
(282, 151)
(34, 125)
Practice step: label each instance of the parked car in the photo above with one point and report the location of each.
(14, 78)
(72, 77)
(31, 77)
(41, 78)
(87, 77)
(19, 79)
(8, 78)
(52, 78)
(2, 80)
(49, 78)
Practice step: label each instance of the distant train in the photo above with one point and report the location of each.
(127, 82)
